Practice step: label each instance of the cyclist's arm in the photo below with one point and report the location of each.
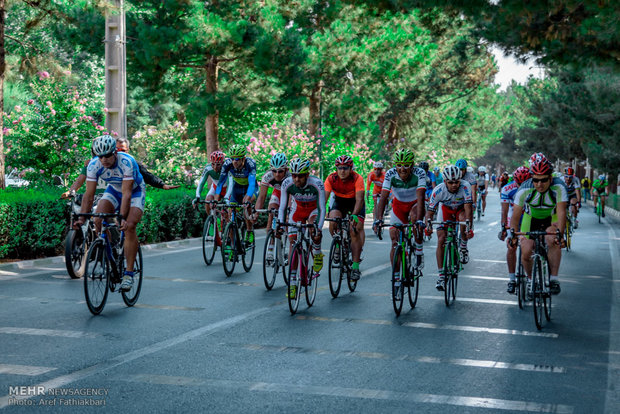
(561, 212)
(421, 194)
(89, 196)
(474, 193)
(517, 212)
(150, 178)
(251, 184)
(260, 201)
(220, 184)
(321, 206)
(359, 202)
(368, 182)
(203, 180)
(382, 203)
(505, 208)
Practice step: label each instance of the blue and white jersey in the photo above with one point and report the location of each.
(454, 200)
(245, 176)
(126, 168)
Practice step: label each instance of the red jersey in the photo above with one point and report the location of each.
(377, 180)
(347, 188)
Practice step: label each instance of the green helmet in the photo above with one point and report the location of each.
(300, 166)
(403, 156)
(237, 151)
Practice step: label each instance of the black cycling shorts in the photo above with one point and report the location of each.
(346, 206)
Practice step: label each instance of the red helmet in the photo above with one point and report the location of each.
(344, 160)
(217, 157)
(522, 174)
(541, 167)
(539, 156)
(569, 171)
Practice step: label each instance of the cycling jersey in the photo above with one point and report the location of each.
(344, 189)
(438, 178)
(377, 180)
(270, 181)
(404, 191)
(125, 169)
(507, 196)
(430, 179)
(599, 185)
(305, 202)
(207, 173)
(453, 201)
(481, 180)
(244, 178)
(540, 205)
(572, 186)
(470, 178)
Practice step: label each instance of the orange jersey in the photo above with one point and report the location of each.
(344, 189)
(377, 180)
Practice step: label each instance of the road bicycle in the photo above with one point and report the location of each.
(479, 205)
(340, 256)
(106, 263)
(79, 240)
(452, 263)
(599, 206)
(276, 247)
(568, 234)
(212, 231)
(233, 241)
(539, 287)
(405, 273)
(300, 272)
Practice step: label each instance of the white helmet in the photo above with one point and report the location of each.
(378, 164)
(482, 169)
(104, 145)
(602, 177)
(470, 169)
(451, 173)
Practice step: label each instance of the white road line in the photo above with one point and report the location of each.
(488, 261)
(612, 395)
(46, 332)
(24, 370)
(361, 393)
(476, 300)
(139, 353)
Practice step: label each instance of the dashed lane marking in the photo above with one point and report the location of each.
(12, 330)
(24, 370)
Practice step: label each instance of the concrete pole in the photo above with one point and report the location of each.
(115, 70)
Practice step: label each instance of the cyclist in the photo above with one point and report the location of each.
(600, 189)
(493, 180)
(125, 193)
(306, 196)
(503, 180)
(542, 203)
(438, 177)
(574, 193)
(375, 177)
(408, 184)
(348, 189)
(482, 182)
(455, 196)
(520, 175)
(213, 172)
(468, 176)
(272, 178)
(243, 172)
(431, 181)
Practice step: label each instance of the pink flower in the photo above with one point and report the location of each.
(105, 109)
(81, 109)
(41, 171)
(26, 129)
(74, 120)
(16, 121)
(43, 75)
(30, 101)
(49, 103)
(74, 146)
(67, 72)
(100, 127)
(53, 112)
(18, 108)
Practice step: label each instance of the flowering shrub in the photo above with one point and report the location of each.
(50, 134)
(167, 155)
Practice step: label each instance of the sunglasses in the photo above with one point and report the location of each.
(237, 159)
(403, 165)
(343, 168)
(105, 156)
(452, 182)
(540, 180)
(298, 175)
(282, 171)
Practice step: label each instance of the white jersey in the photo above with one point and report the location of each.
(470, 178)
(482, 179)
(126, 168)
(453, 201)
(405, 191)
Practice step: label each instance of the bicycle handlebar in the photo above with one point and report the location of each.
(100, 215)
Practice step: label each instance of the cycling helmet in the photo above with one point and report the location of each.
(522, 174)
(300, 166)
(217, 157)
(278, 161)
(482, 169)
(569, 171)
(451, 173)
(460, 164)
(470, 169)
(403, 156)
(436, 169)
(602, 177)
(237, 151)
(541, 167)
(424, 165)
(104, 145)
(378, 164)
(344, 160)
(537, 157)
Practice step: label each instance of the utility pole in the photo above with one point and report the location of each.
(115, 70)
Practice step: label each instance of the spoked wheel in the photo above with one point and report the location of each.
(96, 278)
(295, 272)
(350, 282)
(270, 268)
(131, 297)
(283, 254)
(312, 284)
(449, 262)
(209, 240)
(335, 270)
(520, 279)
(538, 292)
(569, 234)
(397, 286)
(229, 251)
(547, 291)
(413, 287)
(247, 258)
(75, 253)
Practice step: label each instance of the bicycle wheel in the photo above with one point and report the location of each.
(350, 282)
(282, 256)
(295, 273)
(229, 251)
(520, 278)
(96, 278)
(413, 284)
(75, 253)
(312, 283)
(209, 237)
(568, 234)
(398, 272)
(547, 292)
(335, 269)
(537, 290)
(247, 257)
(479, 210)
(270, 269)
(449, 265)
(131, 297)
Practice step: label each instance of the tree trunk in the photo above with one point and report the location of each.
(314, 109)
(392, 132)
(2, 69)
(212, 120)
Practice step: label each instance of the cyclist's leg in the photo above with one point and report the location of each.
(463, 238)
(133, 218)
(554, 254)
(316, 240)
(357, 237)
(417, 236)
(511, 260)
(484, 201)
(334, 212)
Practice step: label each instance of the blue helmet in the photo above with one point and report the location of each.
(461, 164)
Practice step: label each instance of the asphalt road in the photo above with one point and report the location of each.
(198, 341)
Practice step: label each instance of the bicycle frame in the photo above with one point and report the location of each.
(342, 242)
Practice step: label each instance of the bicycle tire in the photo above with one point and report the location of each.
(270, 270)
(229, 251)
(247, 257)
(283, 247)
(75, 253)
(96, 278)
(312, 285)
(547, 292)
(449, 259)
(335, 276)
(521, 285)
(537, 290)
(398, 286)
(569, 232)
(295, 271)
(131, 297)
(209, 240)
(352, 284)
(413, 286)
